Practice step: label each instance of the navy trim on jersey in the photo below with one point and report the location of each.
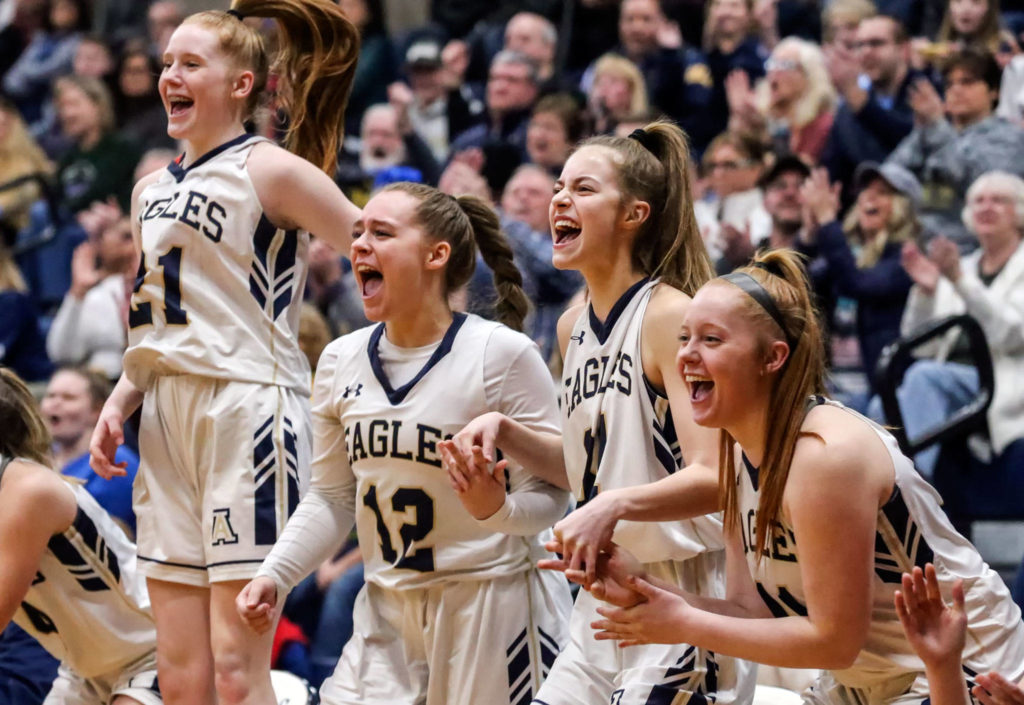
(179, 172)
(397, 396)
(171, 563)
(751, 470)
(603, 330)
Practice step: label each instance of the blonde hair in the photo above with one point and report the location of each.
(802, 376)
(20, 154)
(467, 223)
(23, 434)
(316, 64)
(844, 12)
(620, 67)
(820, 95)
(988, 36)
(96, 92)
(669, 244)
(996, 181)
(901, 227)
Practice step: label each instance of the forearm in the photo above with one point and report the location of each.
(529, 511)
(311, 536)
(946, 683)
(538, 452)
(691, 492)
(64, 341)
(126, 397)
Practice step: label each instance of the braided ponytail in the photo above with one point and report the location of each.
(512, 304)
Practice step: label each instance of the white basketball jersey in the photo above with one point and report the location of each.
(912, 530)
(412, 528)
(219, 286)
(617, 430)
(87, 604)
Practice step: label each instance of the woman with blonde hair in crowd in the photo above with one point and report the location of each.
(793, 107)
(618, 90)
(20, 157)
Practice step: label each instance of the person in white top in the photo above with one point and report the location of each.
(823, 514)
(224, 436)
(622, 215)
(69, 576)
(455, 610)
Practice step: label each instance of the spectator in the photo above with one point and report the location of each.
(794, 105)
(1011, 92)
(512, 89)
(732, 166)
(862, 252)
(526, 198)
(376, 66)
(92, 58)
(71, 408)
(946, 156)
(618, 89)
(677, 78)
(841, 21)
(20, 156)
(90, 327)
(557, 124)
(387, 140)
(437, 111)
(100, 163)
(988, 284)
(535, 36)
(333, 290)
(141, 117)
(874, 82)
(21, 343)
(972, 23)
(21, 21)
(163, 18)
(48, 56)
(732, 44)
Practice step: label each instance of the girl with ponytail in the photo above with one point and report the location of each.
(449, 556)
(622, 215)
(224, 232)
(824, 516)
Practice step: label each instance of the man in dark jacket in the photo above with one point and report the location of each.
(875, 113)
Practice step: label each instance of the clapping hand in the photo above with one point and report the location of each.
(935, 630)
(919, 268)
(925, 102)
(946, 256)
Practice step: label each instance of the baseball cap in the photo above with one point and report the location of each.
(782, 165)
(898, 177)
(423, 53)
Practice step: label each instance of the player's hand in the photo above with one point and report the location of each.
(936, 632)
(256, 604)
(107, 437)
(481, 432)
(659, 618)
(586, 532)
(479, 483)
(993, 689)
(614, 568)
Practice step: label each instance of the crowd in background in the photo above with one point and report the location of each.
(885, 141)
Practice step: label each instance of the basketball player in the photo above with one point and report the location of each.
(823, 513)
(622, 215)
(454, 611)
(68, 576)
(224, 438)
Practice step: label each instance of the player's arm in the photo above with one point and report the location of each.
(518, 385)
(295, 194)
(690, 492)
(36, 505)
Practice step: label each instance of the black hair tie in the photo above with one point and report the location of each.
(644, 138)
(236, 14)
(770, 267)
(758, 293)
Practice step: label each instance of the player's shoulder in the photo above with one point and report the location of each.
(345, 347)
(39, 491)
(667, 306)
(567, 321)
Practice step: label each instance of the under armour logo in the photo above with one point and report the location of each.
(578, 338)
(353, 391)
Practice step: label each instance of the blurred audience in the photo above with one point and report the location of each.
(557, 124)
(22, 347)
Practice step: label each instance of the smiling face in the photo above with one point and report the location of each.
(67, 407)
(526, 198)
(546, 140)
(786, 78)
(587, 210)
(638, 26)
(392, 258)
(721, 356)
(993, 217)
(199, 85)
(874, 206)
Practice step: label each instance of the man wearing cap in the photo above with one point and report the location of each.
(874, 82)
(946, 156)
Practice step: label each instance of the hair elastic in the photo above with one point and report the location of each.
(758, 293)
(236, 14)
(770, 267)
(644, 138)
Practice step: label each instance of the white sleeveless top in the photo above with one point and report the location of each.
(88, 604)
(617, 430)
(220, 287)
(912, 530)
